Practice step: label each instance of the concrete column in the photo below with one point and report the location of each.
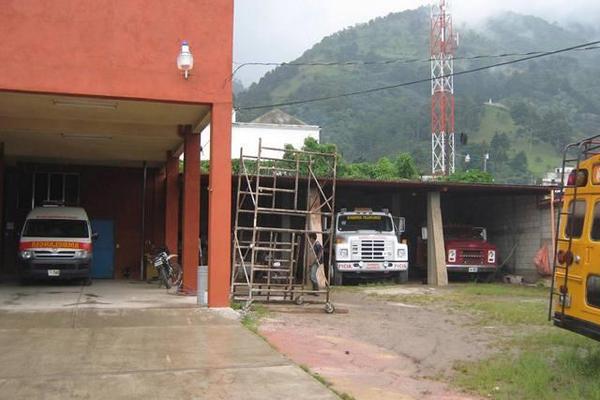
(219, 203)
(313, 223)
(172, 203)
(437, 274)
(2, 223)
(191, 209)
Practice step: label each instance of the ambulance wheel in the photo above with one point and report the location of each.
(86, 281)
(329, 308)
(299, 300)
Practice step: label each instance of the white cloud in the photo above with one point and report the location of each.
(281, 30)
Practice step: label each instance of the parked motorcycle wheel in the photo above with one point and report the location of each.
(164, 278)
(176, 274)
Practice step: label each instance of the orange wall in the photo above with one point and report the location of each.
(118, 48)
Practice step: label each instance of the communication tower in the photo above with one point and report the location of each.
(443, 43)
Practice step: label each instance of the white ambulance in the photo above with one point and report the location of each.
(56, 243)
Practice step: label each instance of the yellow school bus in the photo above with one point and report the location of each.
(575, 293)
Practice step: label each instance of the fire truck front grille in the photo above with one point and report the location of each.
(372, 250)
(472, 256)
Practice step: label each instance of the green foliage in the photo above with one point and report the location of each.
(471, 176)
(406, 167)
(321, 164)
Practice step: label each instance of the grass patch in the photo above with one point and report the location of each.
(535, 361)
(488, 303)
(252, 318)
(556, 365)
(323, 381)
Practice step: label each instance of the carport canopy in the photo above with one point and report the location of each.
(93, 131)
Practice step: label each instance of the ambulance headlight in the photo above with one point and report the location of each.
(82, 254)
(27, 254)
(343, 252)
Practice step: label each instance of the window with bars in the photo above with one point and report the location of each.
(56, 187)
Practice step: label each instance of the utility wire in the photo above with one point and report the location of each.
(382, 62)
(590, 45)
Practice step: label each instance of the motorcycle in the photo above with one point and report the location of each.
(170, 272)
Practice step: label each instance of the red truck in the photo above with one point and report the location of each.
(467, 251)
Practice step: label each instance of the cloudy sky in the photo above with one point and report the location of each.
(281, 30)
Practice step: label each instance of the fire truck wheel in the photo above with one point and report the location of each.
(486, 277)
(338, 278)
(401, 277)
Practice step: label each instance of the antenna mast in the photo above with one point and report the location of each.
(443, 45)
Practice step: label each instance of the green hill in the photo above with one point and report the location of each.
(547, 101)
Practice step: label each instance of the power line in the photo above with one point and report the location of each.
(589, 46)
(382, 62)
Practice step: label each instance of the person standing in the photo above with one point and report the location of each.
(315, 257)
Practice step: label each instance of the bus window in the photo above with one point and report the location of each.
(595, 234)
(574, 224)
(593, 290)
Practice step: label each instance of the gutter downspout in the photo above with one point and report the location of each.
(143, 221)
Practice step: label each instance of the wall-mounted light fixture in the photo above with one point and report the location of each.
(185, 59)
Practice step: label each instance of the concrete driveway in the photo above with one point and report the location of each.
(96, 352)
(101, 294)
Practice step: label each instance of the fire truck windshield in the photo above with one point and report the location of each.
(463, 233)
(365, 222)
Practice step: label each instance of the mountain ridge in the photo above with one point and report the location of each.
(367, 127)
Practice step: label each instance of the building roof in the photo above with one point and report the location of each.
(489, 188)
(278, 117)
(431, 186)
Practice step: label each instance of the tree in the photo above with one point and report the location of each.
(406, 167)
(471, 176)
(499, 147)
(384, 170)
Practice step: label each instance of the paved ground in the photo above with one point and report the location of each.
(378, 349)
(101, 294)
(79, 349)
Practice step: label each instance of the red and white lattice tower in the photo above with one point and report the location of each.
(443, 44)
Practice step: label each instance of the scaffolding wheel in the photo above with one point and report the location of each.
(246, 308)
(299, 300)
(329, 308)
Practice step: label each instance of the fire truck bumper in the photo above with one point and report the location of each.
(473, 269)
(371, 267)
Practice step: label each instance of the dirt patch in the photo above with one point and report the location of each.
(380, 349)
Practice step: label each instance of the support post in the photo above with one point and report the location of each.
(2, 222)
(143, 219)
(315, 224)
(191, 209)
(219, 212)
(172, 203)
(437, 274)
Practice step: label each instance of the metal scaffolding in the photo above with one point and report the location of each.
(283, 195)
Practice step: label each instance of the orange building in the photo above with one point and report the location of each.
(95, 112)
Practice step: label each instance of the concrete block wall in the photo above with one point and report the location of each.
(521, 226)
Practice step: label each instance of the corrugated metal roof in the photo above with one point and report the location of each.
(481, 188)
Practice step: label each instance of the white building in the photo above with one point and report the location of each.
(275, 128)
(554, 178)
